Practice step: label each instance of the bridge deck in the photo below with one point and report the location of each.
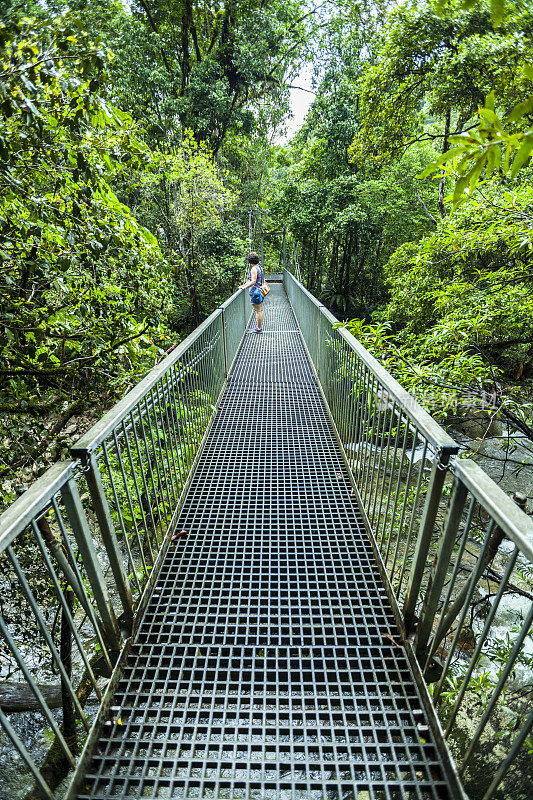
(266, 665)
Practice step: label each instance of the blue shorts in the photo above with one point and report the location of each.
(256, 298)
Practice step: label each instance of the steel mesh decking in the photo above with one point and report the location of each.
(267, 664)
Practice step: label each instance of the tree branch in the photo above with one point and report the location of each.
(426, 209)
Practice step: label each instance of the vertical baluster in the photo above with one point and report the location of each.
(471, 585)
(129, 500)
(176, 444)
(28, 594)
(143, 542)
(440, 568)
(386, 461)
(363, 448)
(26, 757)
(163, 404)
(511, 755)
(78, 581)
(206, 364)
(378, 454)
(425, 533)
(45, 710)
(187, 415)
(131, 562)
(190, 384)
(370, 437)
(84, 540)
(412, 522)
(506, 671)
(474, 659)
(407, 486)
(160, 455)
(183, 433)
(66, 610)
(354, 412)
(360, 374)
(153, 468)
(109, 538)
(159, 403)
(143, 459)
(437, 637)
(398, 484)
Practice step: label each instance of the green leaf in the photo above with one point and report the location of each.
(34, 110)
(494, 155)
(488, 114)
(490, 101)
(520, 110)
(429, 170)
(475, 172)
(460, 186)
(497, 8)
(523, 154)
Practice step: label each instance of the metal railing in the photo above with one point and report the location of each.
(79, 551)
(450, 543)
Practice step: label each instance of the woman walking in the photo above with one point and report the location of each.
(257, 277)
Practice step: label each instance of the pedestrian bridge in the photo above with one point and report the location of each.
(261, 559)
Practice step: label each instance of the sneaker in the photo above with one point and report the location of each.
(257, 330)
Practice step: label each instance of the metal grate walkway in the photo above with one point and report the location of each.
(266, 666)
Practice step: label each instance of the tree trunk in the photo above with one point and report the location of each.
(442, 182)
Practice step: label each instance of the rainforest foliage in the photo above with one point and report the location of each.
(409, 189)
(133, 140)
(135, 137)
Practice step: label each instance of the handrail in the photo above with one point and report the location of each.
(90, 534)
(385, 414)
(30, 504)
(420, 417)
(405, 467)
(517, 526)
(96, 435)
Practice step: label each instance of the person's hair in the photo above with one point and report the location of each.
(253, 258)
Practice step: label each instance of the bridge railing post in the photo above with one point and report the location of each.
(437, 576)
(93, 479)
(82, 534)
(224, 343)
(425, 534)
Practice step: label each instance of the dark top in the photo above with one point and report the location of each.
(260, 278)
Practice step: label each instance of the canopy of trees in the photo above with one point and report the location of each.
(409, 191)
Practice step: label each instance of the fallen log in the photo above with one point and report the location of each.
(19, 697)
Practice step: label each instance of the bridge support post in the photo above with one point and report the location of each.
(109, 537)
(440, 568)
(82, 534)
(224, 344)
(427, 526)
